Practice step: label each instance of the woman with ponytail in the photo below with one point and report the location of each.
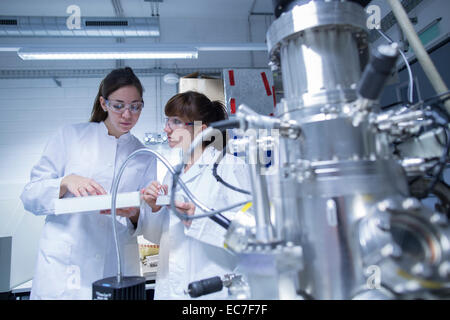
(81, 160)
(193, 250)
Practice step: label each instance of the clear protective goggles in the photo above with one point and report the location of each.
(120, 107)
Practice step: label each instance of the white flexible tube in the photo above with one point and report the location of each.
(408, 67)
(421, 54)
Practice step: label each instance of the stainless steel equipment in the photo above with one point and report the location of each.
(336, 220)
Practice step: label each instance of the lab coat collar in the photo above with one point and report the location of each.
(208, 157)
(122, 139)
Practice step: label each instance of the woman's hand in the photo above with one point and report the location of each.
(131, 213)
(80, 186)
(186, 208)
(152, 192)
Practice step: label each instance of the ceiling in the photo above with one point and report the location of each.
(181, 21)
(137, 8)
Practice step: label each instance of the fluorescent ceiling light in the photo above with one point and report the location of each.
(127, 51)
(106, 54)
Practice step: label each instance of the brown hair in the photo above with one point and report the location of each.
(116, 79)
(195, 106)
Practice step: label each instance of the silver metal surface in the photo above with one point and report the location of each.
(321, 66)
(312, 15)
(321, 47)
(264, 229)
(337, 192)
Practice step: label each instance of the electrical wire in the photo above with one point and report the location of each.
(210, 212)
(439, 99)
(408, 67)
(213, 214)
(219, 178)
(394, 105)
(441, 164)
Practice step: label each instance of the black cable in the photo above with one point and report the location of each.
(226, 124)
(395, 104)
(218, 218)
(438, 139)
(442, 163)
(221, 220)
(438, 96)
(219, 179)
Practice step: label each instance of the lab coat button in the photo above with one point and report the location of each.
(98, 256)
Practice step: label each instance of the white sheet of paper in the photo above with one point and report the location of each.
(95, 203)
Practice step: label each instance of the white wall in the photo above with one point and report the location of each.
(34, 108)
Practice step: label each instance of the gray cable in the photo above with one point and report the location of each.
(408, 67)
(115, 187)
(204, 135)
(194, 199)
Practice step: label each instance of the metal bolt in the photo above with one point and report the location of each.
(383, 222)
(387, 250)
(391, 250)
(439, 219)
(411, 204)
(412, 285)
(384, 205)
(420, 269)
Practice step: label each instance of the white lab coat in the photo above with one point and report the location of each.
(77, 249)
(197, 252)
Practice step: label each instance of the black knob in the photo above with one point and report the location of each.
(377, 71)
(205, 286)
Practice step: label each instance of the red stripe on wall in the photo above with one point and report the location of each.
(233, 105)
(266, 83)
(231, 76)
(274, 97)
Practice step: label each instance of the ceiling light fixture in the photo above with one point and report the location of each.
(126, 51)
(105, 53)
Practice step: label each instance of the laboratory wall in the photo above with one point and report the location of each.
(33, 109)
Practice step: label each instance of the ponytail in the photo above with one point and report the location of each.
(97, 113)
(218, 113)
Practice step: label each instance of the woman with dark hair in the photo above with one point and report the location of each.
(193, 250)
(81, 160)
